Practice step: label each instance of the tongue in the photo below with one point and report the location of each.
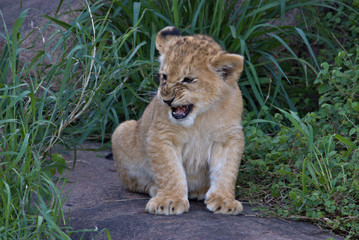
(181, 110)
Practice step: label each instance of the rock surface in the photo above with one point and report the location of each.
(36, 29)
(11, 9)
(98, 200)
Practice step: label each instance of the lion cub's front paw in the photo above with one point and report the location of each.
(218, 204)
(167, 206)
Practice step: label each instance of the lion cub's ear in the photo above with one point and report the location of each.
(164, 36)
(228, 66)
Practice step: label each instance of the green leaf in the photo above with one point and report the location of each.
(352, 131)
(344, 140)
(293, 195)
(60, 162)
(355, 106)
(176, 13)
(338, 61)
(325, 67)
(195, 17)
(331, 154)
(305, 39)
(61, 23)
(59, 6)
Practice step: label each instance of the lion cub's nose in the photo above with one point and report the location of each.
(168, 102)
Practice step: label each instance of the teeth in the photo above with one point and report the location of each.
(181, 111)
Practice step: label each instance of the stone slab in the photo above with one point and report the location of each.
(99, 200)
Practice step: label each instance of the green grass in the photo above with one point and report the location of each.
(280, 65)
(47, 101)
(110, 79)
(30, 203)
(105, 72)
(271, 51)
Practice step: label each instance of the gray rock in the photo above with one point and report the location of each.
(99, 200)
(36, 27)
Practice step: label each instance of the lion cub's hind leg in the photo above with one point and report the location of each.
(133, 169)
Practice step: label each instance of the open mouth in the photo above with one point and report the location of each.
(181, 112)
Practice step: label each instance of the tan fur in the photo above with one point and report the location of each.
(195, 157)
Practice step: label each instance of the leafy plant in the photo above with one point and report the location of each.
(309, 169)
(342, 19)
(339, 89)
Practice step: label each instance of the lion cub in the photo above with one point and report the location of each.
(189, 141)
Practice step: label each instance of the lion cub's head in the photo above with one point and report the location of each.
(196, 74)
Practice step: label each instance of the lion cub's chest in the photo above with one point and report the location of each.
(196, 151)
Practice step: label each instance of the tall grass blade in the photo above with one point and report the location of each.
(195, 17)
(303, 36)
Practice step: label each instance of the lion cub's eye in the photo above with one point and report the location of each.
(164, 79)
(187, 80)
